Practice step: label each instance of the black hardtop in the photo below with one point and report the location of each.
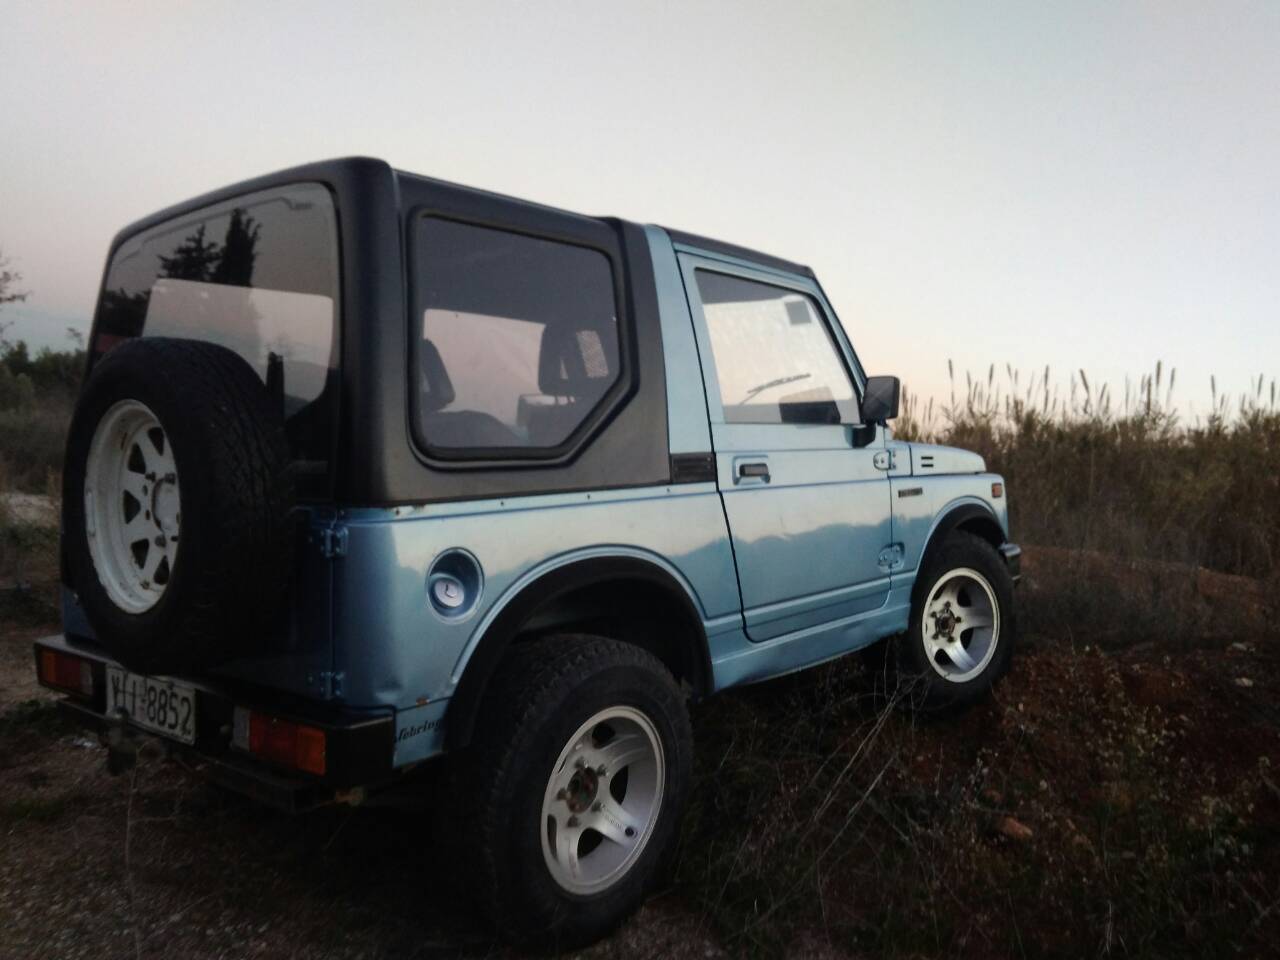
(355, 169)
(334, 172)
(622, 444)
(681, 237)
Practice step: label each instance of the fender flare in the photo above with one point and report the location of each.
(479, 666)
(955, 515)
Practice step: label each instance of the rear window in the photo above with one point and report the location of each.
(516, 339)
(258, 275)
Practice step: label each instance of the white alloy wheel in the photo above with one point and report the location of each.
(960, 624)
(602, 800)
(132, 507)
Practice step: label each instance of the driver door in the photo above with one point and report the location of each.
(808, 511)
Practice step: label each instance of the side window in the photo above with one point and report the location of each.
(518, 337)
(774, 356)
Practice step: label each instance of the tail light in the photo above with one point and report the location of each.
(285, 742)
(64, 672)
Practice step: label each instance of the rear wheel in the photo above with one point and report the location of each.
(574, 786)
(602, 800)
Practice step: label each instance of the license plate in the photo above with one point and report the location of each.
(161, 706)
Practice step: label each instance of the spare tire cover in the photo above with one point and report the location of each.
(177, 494)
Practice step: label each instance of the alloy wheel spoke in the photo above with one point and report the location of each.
(136, 485)
(567, 838)
(960, 657)
(950, 593)
(139, 528)
(154, 556)
(162, 463)
(613, 822)
(622, 751)
(153, 451)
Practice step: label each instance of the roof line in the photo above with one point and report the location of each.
(740, 253)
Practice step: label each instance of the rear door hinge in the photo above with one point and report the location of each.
(884, 460)
(330, 684)
(331, 540)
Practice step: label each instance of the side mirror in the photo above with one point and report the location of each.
(880, 399)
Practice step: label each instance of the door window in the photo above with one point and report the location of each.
(774, 356)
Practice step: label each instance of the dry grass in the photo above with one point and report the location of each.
(1130, 478)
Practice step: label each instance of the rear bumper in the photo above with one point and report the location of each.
(358, 746)
(1012, 554)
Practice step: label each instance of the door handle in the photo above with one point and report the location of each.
(753, 471)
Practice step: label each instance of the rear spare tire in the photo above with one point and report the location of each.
(176, 499)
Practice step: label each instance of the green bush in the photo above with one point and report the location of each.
(31, 444)
(37, 396)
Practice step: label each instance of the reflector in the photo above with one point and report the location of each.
(284, 742)
(66, 672)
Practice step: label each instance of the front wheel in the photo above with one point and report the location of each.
(576, 781)
(960, 640)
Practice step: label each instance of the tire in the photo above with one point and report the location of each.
(210, 493)
(544, 695)
(947, 659)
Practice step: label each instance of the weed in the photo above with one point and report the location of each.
(1021, 828)
(40, 809)
(32, 715)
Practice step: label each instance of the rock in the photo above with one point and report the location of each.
(1014, 829)
(1244, 682)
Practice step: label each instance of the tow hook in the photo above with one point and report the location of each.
(123, 748)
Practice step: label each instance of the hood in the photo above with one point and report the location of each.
(931, 459)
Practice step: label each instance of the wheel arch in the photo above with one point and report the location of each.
(971, 516)
(619, 595)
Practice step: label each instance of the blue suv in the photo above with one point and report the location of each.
(369, 468)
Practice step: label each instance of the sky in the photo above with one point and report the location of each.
(1081, 185)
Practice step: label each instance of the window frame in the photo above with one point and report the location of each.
(493, 458)
(693, 260)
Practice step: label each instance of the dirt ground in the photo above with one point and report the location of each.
(1093, 792)
(156, 863)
